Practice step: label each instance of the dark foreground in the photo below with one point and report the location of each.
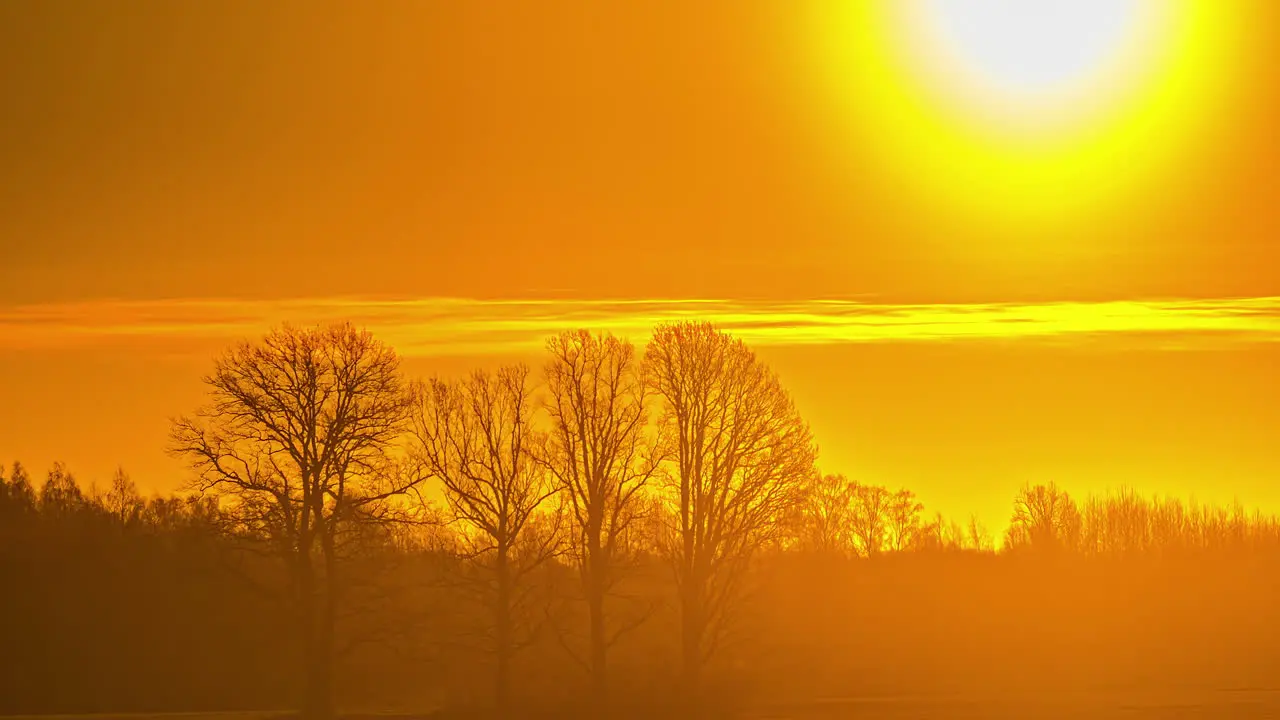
(1217, 705)
(1102, 706)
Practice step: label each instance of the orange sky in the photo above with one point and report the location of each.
(302, 160)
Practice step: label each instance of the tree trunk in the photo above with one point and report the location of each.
(504, 649)
(320, 609)
(317, 645)
(691, 631)
(599, 648)
(318, 704)
(599, 662)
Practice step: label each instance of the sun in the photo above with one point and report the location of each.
(1033, 69)
(1023, 114)
(1027, 49)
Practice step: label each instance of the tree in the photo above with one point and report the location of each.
(122, 499)
(742, 457)
(976, 536)
(298, 440)
(1168, 525)
(17, 496)
(1127, 523)
(826, 514)
(1044, 518)
(871, 504)
(60, 496)
(904, 519)
(475, 437)
(598, 452)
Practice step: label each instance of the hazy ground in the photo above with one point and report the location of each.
(1220, 705)
(1103, 706)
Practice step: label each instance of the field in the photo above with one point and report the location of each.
(1220, 705)
(1094, 706)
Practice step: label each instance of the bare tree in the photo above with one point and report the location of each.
(1044, 518)
(1126, 523)
(60, 496)
(298, 442)
(937, 534)
(977, 537)
(1168, 524)
(826, 514)
(871, 507)
(742, 457)
(904, 519)
(19, 494)
(475, 437)
(122, 499)
(601, 457)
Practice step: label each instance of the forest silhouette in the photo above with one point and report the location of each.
(617, 530)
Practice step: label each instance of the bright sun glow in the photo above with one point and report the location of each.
(1034, 69)
(1031, 114)
(1031, 48)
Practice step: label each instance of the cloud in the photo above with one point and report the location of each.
(454, 326)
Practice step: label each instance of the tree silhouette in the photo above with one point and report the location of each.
(60, 496)
(742, 457)
(297, 441)
(1045, 519)
(870, 518)
(475, 437)
(16, 493)
(826, 514)
(122, 499)
(903, 512)
(598, 452)
(976, 536)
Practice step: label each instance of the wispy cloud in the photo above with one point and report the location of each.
(451, 326)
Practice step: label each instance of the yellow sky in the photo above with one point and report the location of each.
(465, 178)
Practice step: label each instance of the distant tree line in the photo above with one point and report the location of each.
(617, 529)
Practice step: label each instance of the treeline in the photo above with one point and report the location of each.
(1126, 524)
(111, 601)
(843, 517)
(615, 530)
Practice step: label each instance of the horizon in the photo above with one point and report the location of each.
(814, 345)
